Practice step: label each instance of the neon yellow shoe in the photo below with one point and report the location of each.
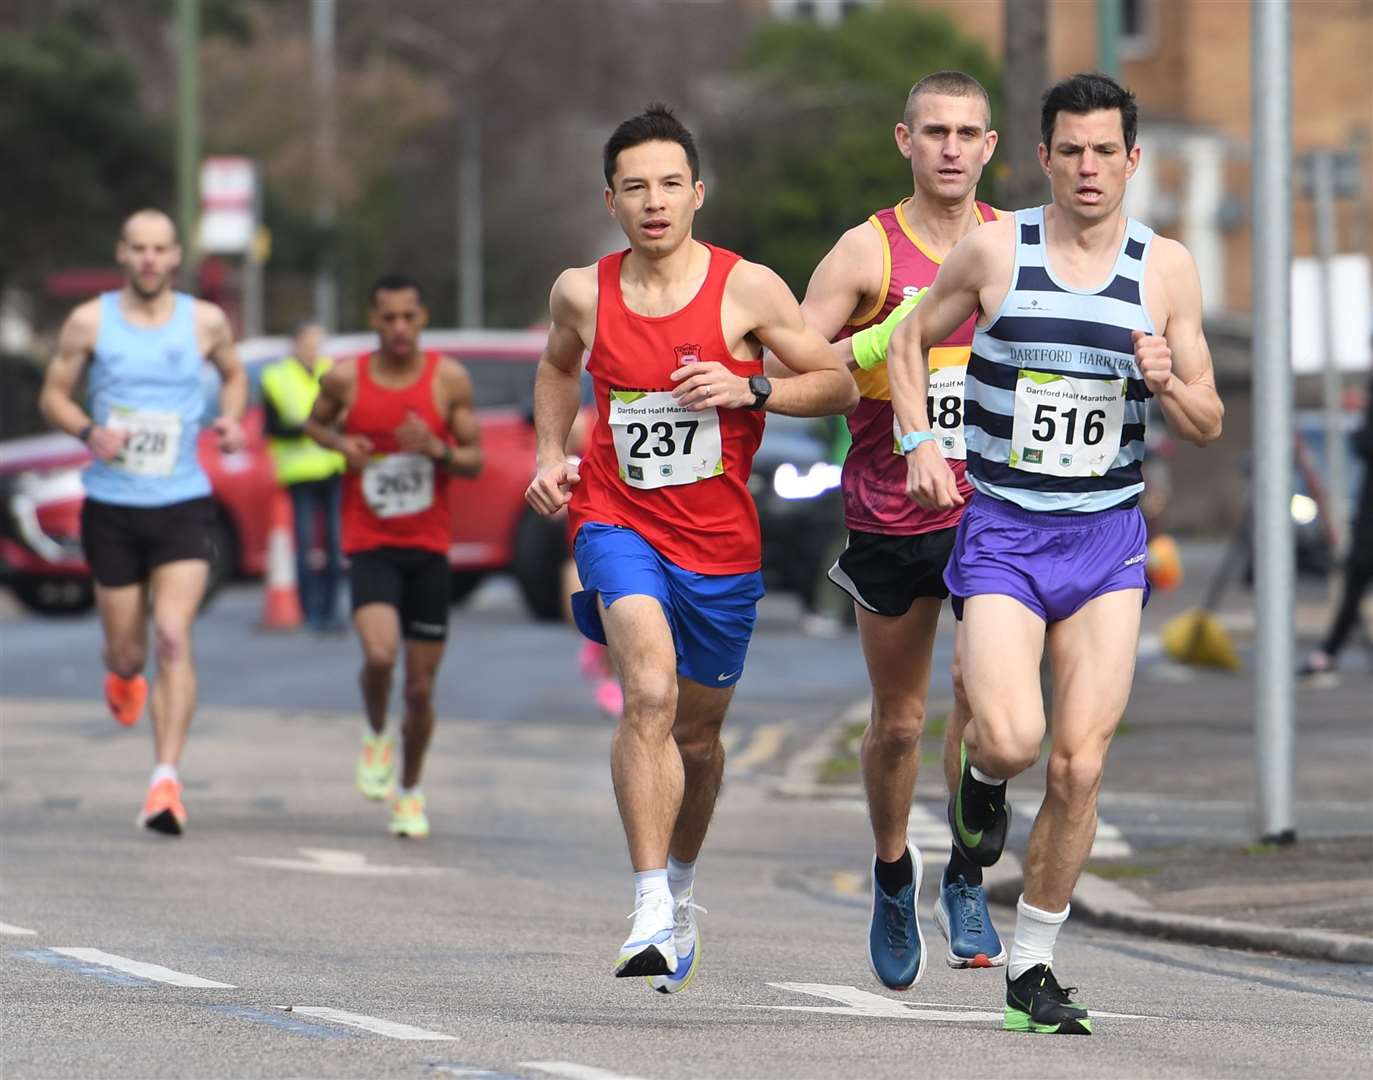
(377, 767)
(408, 820)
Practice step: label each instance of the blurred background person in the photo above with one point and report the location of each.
(311, 474)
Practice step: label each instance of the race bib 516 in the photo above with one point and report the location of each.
(1066, 426)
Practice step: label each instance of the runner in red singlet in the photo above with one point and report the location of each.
(667, 541)
(894, 563)
(408, 425)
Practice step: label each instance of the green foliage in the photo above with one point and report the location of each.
(816, 135)
(80, 155)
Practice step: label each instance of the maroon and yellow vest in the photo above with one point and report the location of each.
(874, 481)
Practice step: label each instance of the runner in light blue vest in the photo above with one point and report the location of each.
(1082, 315)
(148, 514)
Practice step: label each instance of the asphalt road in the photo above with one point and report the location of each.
(486, 951)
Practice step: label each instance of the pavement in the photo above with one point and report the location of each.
(1179, 853)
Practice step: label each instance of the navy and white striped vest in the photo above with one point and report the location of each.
(1045, 330)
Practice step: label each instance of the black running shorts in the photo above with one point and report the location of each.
(124, 544)
(886, 574)
(412, 580)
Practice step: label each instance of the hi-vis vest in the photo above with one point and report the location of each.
(293, 389)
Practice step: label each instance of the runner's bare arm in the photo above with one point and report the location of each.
(74, 346)
(845, 284)
(335, 392)
(757, 303)
(233, 390)
(1177, 366)
(557, 386)
(464, 459)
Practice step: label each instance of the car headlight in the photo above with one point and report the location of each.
(1304, 509)
(790, 483)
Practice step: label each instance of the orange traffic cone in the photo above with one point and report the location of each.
(281, 604)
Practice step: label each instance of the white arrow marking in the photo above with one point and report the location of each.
(862, 1003)
(389, 1028)
(6, 928)
(570, 1070)
(155, 972)
(343, 863)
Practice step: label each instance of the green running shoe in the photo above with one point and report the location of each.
(377, 767)
(992, 815)
(1036, 1003)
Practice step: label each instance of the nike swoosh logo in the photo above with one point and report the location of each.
(969, 838)
(726, 675)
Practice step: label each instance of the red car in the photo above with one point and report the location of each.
(493, 530)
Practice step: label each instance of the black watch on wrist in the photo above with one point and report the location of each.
(85, 433)
(762, 390)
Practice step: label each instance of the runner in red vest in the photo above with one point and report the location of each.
(667, 540)
(408, 425)
(893, 566)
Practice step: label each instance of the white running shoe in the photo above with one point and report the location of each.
(686, 942)
(649, 950)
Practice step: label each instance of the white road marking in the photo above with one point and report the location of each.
(766, 742)
(863, 1003)
(926, 831)
(6, 928)
(1110, 842)
(389, 1028)
(155, 972)
(570, 1070)
(342, 863)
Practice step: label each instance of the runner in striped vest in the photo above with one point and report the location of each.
(1082, 315)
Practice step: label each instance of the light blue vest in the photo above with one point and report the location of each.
(148, 380)
(1054, 404)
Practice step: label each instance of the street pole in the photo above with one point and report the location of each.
(1271, 479)
(254, 310)
(322, 21)
(187, 134)
(1108, 37)
(470, 284)
(1323, 199)
(1026, 66)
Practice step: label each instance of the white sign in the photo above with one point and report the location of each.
(1352, 299)
(228, 197)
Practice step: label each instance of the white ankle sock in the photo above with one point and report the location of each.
(407, 792)
(1035, 934)
(368, 733)
(650, 886)
(983, 778)
(163, 772)
(680, 876)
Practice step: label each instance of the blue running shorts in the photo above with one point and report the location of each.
(711, 615)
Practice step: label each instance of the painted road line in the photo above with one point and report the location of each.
(389, 1028)
(850, 1001)
(283, 1022)
(469, 1072)
(729, 739)
(927, 831)
(76, 967)
(764, 746)
(18, 931)
(570, 1070)
(152, 972)
(1110, 842)
(342, 863)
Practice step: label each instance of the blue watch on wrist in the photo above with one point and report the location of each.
(912, 439)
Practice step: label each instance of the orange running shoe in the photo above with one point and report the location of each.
(162, 810)
(126, 697)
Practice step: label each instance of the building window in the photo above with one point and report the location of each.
(1136, 28)
(825, 12)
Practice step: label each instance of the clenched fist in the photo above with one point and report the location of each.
(1155, 361)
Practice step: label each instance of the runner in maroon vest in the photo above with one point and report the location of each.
(667, 541)
(408, 424)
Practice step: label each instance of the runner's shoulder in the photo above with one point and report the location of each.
(210, 316)
(574, 293)
(82, 327)
(454, 375)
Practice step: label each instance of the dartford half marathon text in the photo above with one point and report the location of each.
(635, 410)
(1067, 393)
(1029, 357)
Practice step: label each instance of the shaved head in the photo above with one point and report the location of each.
(141, 220)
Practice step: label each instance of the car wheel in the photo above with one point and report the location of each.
(55, 595)
(462, 584)
(540, 551)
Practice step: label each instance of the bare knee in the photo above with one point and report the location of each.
(378, 662)
(1004, 751)
(650, 695)
(1075, 778)
(896, 725)
(419, 693)
(172, 641)
(698, 744)
(126, 658)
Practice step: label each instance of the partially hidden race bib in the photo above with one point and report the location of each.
(944, 407)
(154, 440)
(658, 443)
(1066, 426)
(395, 485)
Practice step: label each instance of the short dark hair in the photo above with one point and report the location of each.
(1087, 92)
(951, 84)
(393, 282)
(655, 124)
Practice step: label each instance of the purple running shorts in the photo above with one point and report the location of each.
(1051, 563)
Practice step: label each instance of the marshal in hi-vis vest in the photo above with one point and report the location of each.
(292, 389)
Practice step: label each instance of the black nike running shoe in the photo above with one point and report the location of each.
(980, 823)
(1035, 1002)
